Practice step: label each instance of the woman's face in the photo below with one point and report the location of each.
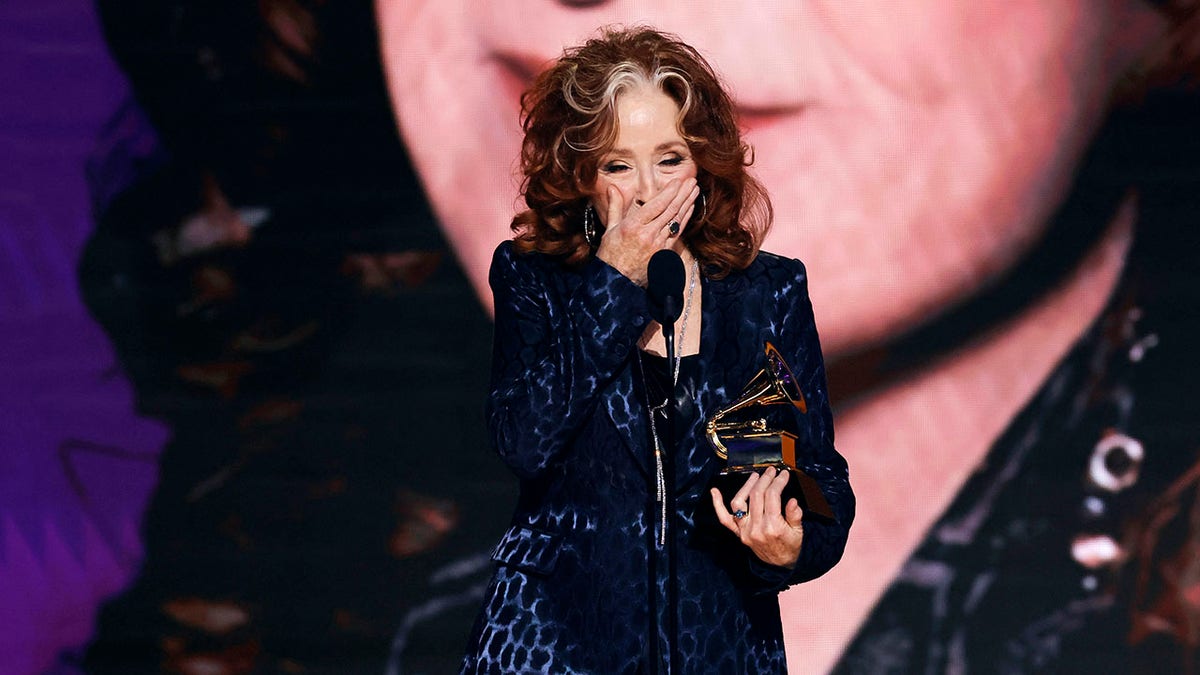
(913, 149)
(648, 152)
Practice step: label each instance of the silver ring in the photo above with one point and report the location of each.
(673, 227)
(739, 514)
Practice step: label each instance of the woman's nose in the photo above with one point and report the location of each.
(647, 187)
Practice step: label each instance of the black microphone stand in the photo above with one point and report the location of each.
(666, 278)
(669, 452)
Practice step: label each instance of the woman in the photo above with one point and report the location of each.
(631, 147)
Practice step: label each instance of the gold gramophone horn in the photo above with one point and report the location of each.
(773, 385)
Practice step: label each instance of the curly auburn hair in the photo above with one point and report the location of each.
(570, 120)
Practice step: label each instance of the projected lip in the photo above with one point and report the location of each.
(516, 72)
(753, 119)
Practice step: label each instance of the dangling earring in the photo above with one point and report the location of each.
(703, 208)
(589, 227)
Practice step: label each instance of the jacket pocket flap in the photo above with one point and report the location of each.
(528, 550)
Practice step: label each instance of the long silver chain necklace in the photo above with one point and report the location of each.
(659, 476)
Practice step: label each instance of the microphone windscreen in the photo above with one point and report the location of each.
(665, 277)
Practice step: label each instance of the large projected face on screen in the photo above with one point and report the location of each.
(915, 151)
(912, 149)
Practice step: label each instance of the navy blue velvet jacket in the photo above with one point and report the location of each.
(570, 590)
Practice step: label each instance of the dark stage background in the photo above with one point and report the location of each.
(263, 431)
(246, 343)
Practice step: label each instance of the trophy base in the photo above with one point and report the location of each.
(753, 452)
(800, 486)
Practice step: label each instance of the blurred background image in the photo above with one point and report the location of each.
(289, 370)
(243, 255)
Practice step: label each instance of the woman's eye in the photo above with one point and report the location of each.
(613, 168)
(672, 161)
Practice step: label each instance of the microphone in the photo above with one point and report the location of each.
(665, 277)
